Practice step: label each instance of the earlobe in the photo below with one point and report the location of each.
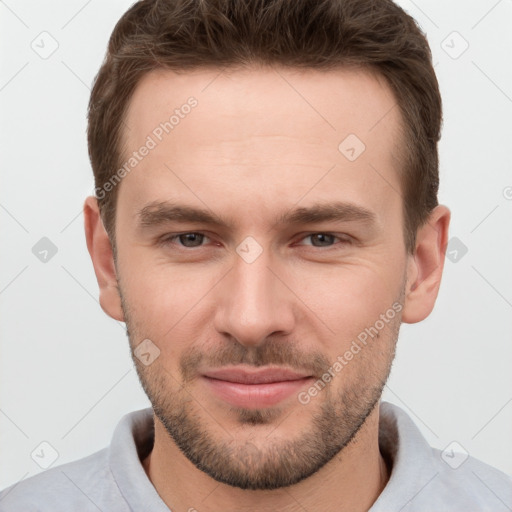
(425, 266)
(100, 249)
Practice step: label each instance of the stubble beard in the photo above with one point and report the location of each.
(271, 462)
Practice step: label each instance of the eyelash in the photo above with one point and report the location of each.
(169, 239)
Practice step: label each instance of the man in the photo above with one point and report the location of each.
(265, 218)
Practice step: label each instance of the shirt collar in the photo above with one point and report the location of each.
(132, 441)
(413, 464)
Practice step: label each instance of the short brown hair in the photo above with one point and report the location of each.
(317, 34)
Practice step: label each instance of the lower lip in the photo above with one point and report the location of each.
(254, 396)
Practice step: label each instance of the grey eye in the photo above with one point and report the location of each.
(324, 239)
(191, 239)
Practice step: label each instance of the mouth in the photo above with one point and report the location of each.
(254, 388)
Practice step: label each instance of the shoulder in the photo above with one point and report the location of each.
(469, 482)
(86, 484)
(426, 478)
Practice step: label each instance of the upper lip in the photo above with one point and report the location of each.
(254, 376)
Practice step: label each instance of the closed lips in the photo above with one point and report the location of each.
(261, 376)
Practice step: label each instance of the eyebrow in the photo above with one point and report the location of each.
(162, 212)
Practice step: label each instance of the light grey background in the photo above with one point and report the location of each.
(66, 375)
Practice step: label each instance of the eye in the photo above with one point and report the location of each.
(192, 240)
(324, 239)
(188, 240)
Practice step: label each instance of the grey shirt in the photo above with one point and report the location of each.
(113, 479)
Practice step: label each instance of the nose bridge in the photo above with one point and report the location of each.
(252, 302)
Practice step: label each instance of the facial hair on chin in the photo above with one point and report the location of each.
(268, 463)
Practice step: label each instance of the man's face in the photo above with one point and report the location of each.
(264, 289)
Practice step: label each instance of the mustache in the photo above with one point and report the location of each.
(271, 353)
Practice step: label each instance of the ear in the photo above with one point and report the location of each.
(100, 249)
(425, 266)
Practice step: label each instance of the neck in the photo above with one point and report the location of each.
(351, 481)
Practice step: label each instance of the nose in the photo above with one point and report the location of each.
(253, 302)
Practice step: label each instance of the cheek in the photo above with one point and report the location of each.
(362, 307)
(165, 301)
(350, 296)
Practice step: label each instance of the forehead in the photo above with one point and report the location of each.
(261, 132)
(255, 98)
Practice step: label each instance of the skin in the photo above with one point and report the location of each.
(260, 143)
